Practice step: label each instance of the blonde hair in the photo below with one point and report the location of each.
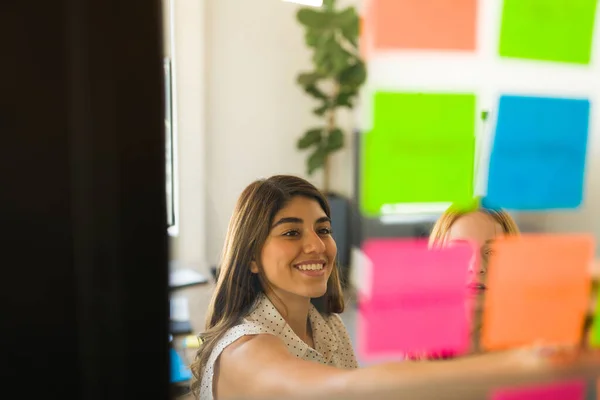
(440, 230)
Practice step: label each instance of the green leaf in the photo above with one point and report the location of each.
(344, 99)
(312, 37)
(316, 159)
(315, 92)
(312, 18)
(353, 75)
(351, 32)
(329, 4)
(321, 110)
(331, 58)
(346, 18)
(335, 140)
(311, 137)
(308, 78)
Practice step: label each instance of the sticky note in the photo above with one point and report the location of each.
(421, 150)
(365, 33)
(179, 371)
(538, 154)
(424, 24)
(567, 390)
(549, 30)
(538, 290)
(417, 299)
(595, 333)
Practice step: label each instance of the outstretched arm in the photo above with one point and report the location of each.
(260, 366)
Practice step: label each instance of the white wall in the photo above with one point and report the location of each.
(255, 110)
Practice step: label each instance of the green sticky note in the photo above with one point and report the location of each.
(421, 150)
(595, 336)
(549, 30)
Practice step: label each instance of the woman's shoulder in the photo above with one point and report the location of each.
(335, 320)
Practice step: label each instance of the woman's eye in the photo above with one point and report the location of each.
(325, 231)
(291, 233)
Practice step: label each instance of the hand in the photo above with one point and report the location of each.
(537, 357)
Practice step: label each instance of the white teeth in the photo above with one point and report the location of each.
(310, 267)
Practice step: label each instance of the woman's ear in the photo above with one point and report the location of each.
(253, 267)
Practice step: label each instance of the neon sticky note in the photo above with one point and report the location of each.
(538, 290)
(421, 150)
(567, 390)
(179, 371)
(424, 24)
(549, 30)
(538, 155)
(417, 299)
(595, 333)
(365, 40)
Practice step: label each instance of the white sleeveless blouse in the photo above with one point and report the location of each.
(332, 343)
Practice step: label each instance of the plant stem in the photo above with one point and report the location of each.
(330, 128)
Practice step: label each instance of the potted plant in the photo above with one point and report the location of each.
(334, 82)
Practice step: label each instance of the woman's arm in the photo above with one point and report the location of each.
(261, 366)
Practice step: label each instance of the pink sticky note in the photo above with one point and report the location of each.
(415, 302)
(568, 390)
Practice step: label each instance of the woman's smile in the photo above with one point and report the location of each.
(313, 268)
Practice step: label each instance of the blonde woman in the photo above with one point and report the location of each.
(479, 225)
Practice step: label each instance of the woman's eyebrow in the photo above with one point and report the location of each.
(323, 219)
(295, 220)
(288, 220)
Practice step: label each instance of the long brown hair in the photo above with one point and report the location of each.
(237, 287)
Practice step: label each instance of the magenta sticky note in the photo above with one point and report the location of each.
(416, 299)
(567, 390)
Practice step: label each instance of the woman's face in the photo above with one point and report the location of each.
(299, 252)
(480, 229)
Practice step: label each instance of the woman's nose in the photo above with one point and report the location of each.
(475, 267)
(313, 243)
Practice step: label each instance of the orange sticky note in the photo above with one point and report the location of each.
(424, 24)
(365, 38)
(538, 290)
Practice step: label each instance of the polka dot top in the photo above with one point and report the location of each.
(332, 343)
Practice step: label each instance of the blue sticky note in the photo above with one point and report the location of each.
(179, 371)
(538, 154)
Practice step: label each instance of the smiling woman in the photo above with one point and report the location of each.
(273, 327)
(278, 273)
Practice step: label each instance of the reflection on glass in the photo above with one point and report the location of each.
(169, 181)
